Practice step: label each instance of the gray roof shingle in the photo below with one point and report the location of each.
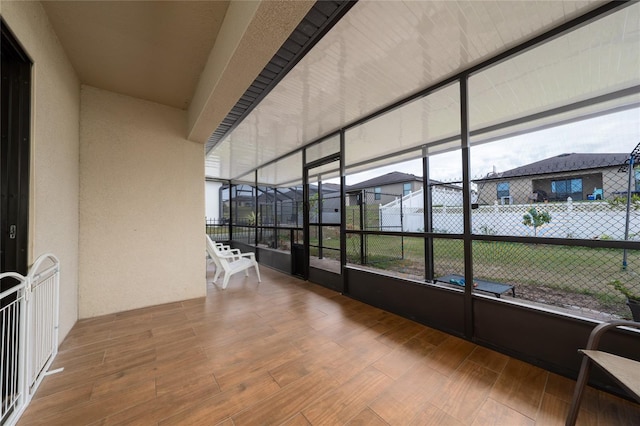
(386, 179)
(564, 163)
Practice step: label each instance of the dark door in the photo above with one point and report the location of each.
(15, 111)
(14, 154)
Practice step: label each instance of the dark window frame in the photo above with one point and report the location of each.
(377, 193)
(568, 184)
(503, 192)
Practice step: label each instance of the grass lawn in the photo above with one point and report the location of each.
(570, 272)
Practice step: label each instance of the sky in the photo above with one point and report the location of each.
(613, 133)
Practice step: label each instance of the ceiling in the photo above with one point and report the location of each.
(199, 56)
(383, 51)
(202, 56)
(153, 50)
(315, 24)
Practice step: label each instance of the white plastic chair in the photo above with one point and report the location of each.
(230, 261)
(212, 248)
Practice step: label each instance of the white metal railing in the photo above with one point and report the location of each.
(29, 326)
(12, 348)
(42, 319)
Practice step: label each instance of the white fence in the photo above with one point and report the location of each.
(584, 220)
(29, 325)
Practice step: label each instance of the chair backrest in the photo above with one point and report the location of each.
(210, 246)
(212, 251)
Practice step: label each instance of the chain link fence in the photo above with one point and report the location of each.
(406, 213)
(324, 242)
(512, 216)
(577, 279)
(581, 278)
(401, 255)
(364, 212)
(289, 213)
(584, 204)
(324, 229)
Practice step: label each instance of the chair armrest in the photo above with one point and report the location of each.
(596, 333)
(236, 256)
(230, 254)
(249, 254)
(228, 251)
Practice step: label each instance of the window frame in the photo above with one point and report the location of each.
(377, 193)
(500, 193)
(568, 185)
(405, 190)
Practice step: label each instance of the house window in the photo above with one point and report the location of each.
(406, 189)
(562, 189)
(503, 190)
(377, 193)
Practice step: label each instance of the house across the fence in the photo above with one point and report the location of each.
(579, 176)
(383, 189)
(395, 186)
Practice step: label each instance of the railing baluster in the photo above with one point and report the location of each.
(26, 354)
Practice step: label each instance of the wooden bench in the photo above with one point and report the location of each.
(625, 372)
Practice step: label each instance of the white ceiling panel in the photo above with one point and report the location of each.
(283, 173)
(573, 115)
(378, 53)
(323, 149)
(591, 61)
(325, 173)
(369, 165)
(426, 120)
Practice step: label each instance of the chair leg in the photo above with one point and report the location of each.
(583, 376)
(225, 281)
(217, 274)
(257, 271)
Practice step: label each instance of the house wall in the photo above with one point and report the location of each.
(141, 205)
(486, 192)
(521, 188)
(390, 192)
(589, 183)
(614, 181)
(53, 216)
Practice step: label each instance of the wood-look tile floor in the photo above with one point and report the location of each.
(290, 352)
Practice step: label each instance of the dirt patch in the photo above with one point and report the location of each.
(575, 303)
(583, 305)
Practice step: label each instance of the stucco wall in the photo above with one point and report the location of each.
(53, 224)
(141, 205)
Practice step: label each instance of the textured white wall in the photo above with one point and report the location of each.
(53, 224)
(141, 205)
